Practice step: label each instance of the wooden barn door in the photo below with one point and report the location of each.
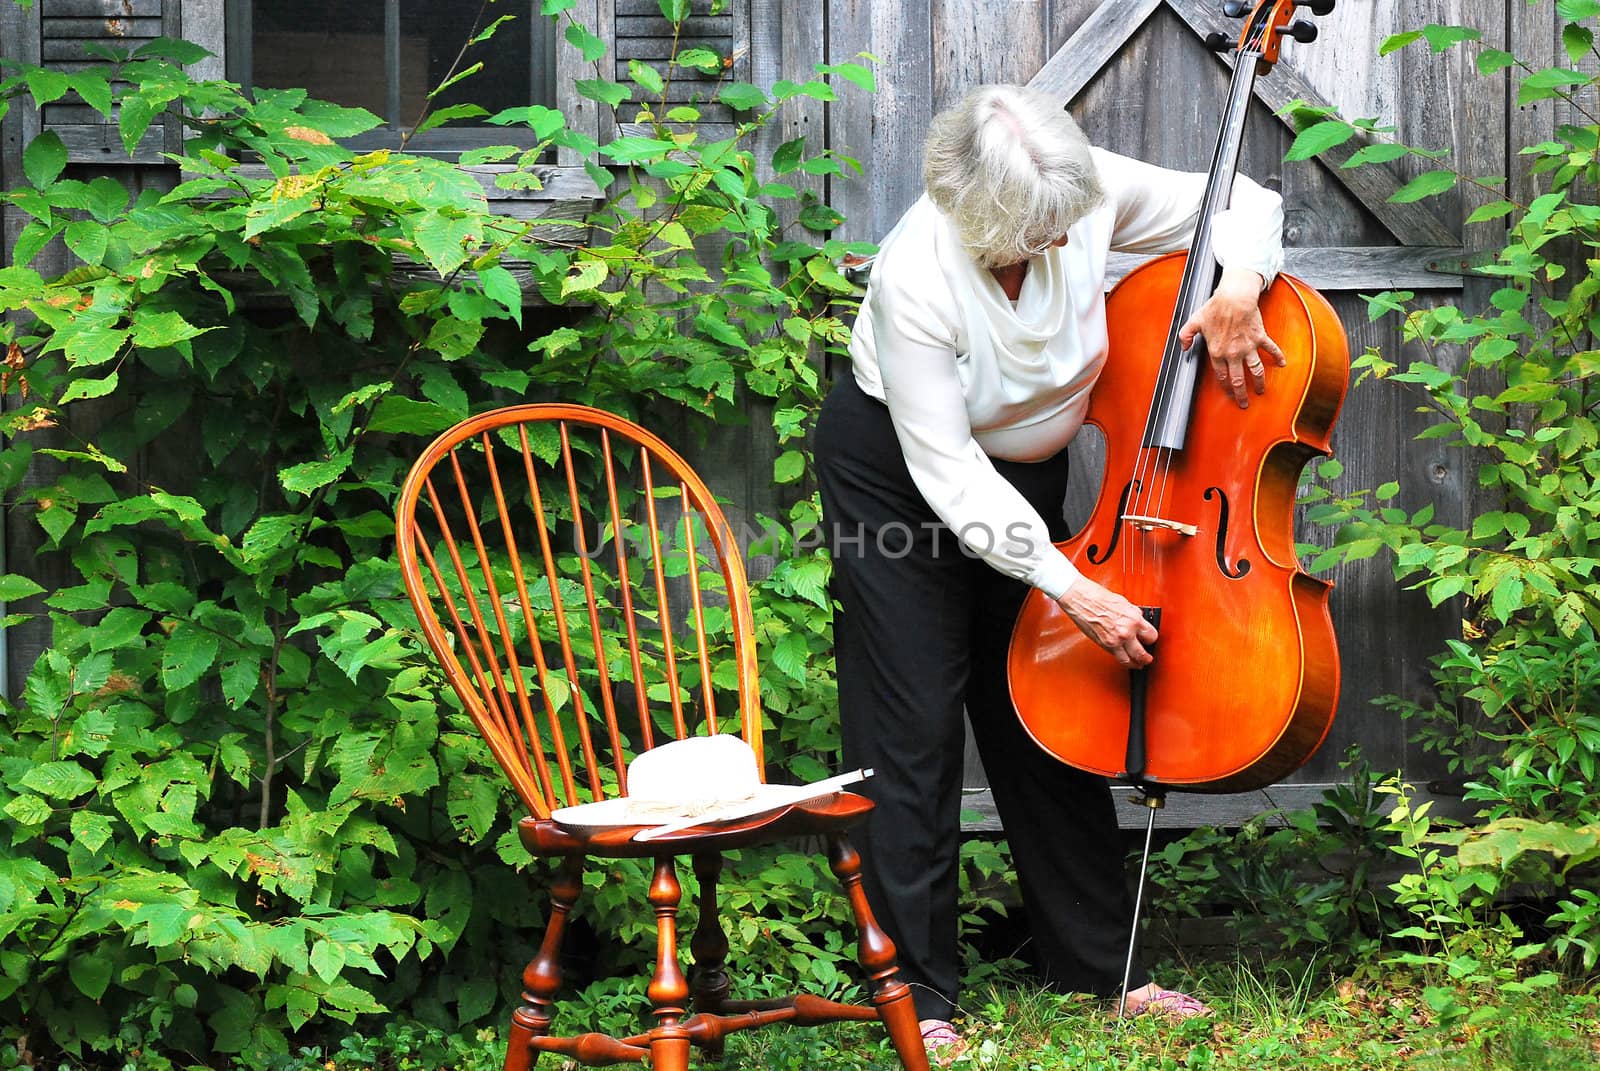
(1138, 77)
(1345, 237)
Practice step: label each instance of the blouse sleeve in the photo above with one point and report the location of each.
(923, 392)
(1157, 209)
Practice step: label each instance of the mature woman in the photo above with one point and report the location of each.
(943, 466)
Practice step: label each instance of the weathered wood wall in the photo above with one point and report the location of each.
(1135, 75)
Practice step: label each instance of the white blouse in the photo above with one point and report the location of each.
(968, 376)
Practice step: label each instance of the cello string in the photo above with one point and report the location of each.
(1153, 468)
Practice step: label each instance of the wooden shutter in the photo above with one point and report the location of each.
(67, 29)
(636, 30)
(642, 34)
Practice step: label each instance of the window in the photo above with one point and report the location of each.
(386, 55)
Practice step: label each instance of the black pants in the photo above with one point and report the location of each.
(921, 630)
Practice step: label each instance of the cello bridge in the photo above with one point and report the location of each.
(1150, 524)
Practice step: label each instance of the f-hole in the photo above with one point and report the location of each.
(1097, 558)
(1232, 573)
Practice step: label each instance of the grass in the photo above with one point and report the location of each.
(1267, 1019)
(1271, 1018)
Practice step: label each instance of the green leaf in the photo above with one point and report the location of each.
(337, 121)
(80, 389)
(239, 680)
(32, 238)
(464, 73)
(87, 240)
(183, 53)
(407, 416)
(310, 475)
(119, 628)
(46, 85)
(1577, 40)
(44, 159)
(270, 534)
(1442, 38)
(161, 329)
(1494, 210)
(1493, 61)
(742, 97)
(167, 923)
(1427, 184)
(1319, 138)
(107, 198)
(791, 654)
(1380, 152)
(186, 656)
(29, 810)
(492, 29)
(90, 829)
(699, 59)
(137, 113)
(674, 11)
(90, 970)
(820, 217)
(544, 122)
(648, 78)
(14, 587)
(446, 240)
(94, 88)
(855, 72)
(327, 959)
(789, 467)
(489, 154)
(501, 287)
(787, 156)
(60, 780)
(587, 275)
(633, 150)
(453, 338)
(440, 116)
(1551, 82)
(585, 42)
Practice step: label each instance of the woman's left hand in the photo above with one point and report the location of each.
(1235, 337)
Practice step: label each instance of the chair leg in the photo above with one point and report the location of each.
(875, 952)
(707, 977)
(668, 989)
(542, 978)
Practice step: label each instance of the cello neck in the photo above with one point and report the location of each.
(1168, 424)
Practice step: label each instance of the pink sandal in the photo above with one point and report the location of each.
(942, 1042)
(1171, 1004)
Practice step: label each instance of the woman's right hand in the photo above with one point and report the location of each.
(1111, 621)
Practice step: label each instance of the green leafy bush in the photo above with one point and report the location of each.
(1305, 884)
(240, 798)
(1513, 387)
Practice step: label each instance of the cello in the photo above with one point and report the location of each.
(1194, 522)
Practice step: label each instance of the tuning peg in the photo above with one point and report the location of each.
(1219, 42)
(1318, 7)
(1237, 9)
(1304, 32)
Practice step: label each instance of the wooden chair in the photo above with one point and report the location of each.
(577, 639)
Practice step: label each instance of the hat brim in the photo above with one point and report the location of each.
(586, 819)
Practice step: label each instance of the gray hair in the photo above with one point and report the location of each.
(1011, 170)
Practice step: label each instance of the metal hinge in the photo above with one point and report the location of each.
(1466, 264)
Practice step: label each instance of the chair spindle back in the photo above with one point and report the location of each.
(577, 637)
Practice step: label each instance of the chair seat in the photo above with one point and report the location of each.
(831, 814)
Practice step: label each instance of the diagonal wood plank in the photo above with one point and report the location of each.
(1077, 62)
(1412, 224)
